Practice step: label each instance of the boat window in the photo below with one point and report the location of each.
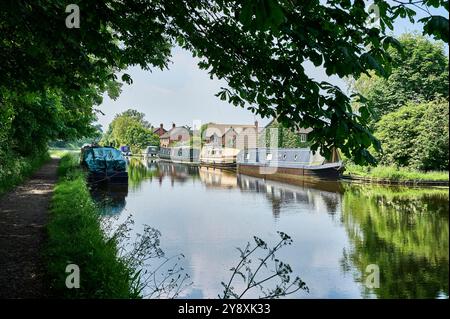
(247, 156)
(284, 156)
(269, 157)
(295, 157)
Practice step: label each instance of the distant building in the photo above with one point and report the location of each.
(231, 135)
(301, 140)
(160, 130)
(175, 134)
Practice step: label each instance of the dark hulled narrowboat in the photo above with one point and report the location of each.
(104, 163)
(285, 164)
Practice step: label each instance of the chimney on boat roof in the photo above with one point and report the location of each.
(173, 125)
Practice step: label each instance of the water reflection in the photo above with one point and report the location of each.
(324, 197)
(405, 232)
(110, 197)
(338, 230)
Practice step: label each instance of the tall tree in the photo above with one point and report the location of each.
(130, 128)
(419, 74)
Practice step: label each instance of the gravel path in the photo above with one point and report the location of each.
(23, 216)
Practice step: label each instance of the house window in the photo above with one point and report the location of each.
(303, 137)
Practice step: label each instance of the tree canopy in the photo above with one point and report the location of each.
(419, 74)
(258, 47)
(416, 135)
(130, 128)
(409, 110)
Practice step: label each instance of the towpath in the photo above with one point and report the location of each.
(23, 216)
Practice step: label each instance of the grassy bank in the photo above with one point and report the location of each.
(75, 236)
(14, 169)
(394, 173)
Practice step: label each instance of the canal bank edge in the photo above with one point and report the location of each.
(373, 180)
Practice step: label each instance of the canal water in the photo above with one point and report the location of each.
(343, 234)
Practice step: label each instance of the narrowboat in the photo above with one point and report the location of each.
(220, 157)
(180, 154)
(151, 151)
(104, 163)
(285, 164)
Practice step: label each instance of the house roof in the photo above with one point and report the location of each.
(175, 131)
(214, 128)
(156, 129)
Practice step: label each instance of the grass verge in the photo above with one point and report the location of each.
(75, 236)
(14, 169)
(394, 173)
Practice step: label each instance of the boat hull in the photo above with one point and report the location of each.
(225, 165)
(119, 177)
(287, 174)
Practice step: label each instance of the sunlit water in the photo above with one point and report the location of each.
(338, 229)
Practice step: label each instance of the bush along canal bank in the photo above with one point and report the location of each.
(76, 240)
(15, 169)
(394, 175)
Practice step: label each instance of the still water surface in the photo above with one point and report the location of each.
(337, 229)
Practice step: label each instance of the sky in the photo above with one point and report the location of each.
(184, 93)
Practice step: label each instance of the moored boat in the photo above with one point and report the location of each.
(288, 164)
(221, 157)
(180, 154)
(104, 163)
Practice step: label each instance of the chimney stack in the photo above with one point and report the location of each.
(173, 125)
(161, 126)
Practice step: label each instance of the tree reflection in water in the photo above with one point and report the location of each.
(405, 232)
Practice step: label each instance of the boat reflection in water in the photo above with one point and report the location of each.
(110, 197)
(217, 178)
(310, 196)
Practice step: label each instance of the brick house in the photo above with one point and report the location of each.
(175, 134)
(231, 135)
(160, 130)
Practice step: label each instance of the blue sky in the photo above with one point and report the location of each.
(184, 93)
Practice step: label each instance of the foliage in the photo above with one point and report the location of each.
(78, 143)
(395, 173)
(402, 230)
(281, 272)
(130, 128)
(433, 139)
(140, 137)
(416, 136)
(35, 118)
(258, 47)
(15, 169)
(419, 74)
